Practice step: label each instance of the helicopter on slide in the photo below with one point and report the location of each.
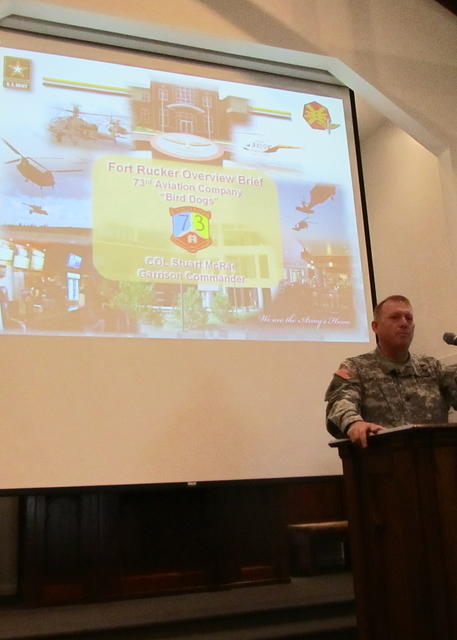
(318, 194)
(35, 208)
(302, 224)
(75, 128)
(33, 171)
(116, 129)
(72, 126)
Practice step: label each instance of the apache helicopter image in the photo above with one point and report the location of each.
(33, 171)
(76, 128)
(318, 194)
(73, 126)
(35, 208)
(116, 129)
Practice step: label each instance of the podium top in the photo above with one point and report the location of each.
(430, 427)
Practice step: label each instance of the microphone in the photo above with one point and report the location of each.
(450, 338)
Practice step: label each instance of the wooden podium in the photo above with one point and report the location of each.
(401, 494)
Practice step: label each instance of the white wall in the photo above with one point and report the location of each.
(410, 244)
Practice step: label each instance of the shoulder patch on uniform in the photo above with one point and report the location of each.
(344, 372)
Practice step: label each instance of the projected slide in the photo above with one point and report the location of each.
(148, 203)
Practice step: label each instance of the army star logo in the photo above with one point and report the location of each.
(17, 73)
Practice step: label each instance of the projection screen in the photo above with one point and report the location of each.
(182, 267)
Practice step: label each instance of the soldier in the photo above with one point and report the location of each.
(390, 386)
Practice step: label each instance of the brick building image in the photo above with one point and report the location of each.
(169, 108)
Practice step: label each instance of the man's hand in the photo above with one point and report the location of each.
(359, 431)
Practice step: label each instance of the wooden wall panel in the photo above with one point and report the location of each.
(92, 545)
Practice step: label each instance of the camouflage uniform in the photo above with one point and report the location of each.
(383, 392)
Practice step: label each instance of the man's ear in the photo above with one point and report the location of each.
(374, 326)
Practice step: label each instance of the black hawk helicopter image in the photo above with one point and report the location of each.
(318, 194)
(301, 224)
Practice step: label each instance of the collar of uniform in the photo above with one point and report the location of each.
(389, 366)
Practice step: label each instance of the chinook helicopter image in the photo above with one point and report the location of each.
(33, 171)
